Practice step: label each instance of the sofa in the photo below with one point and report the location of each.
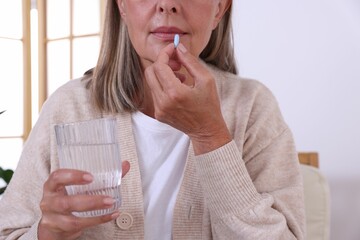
(317, 199)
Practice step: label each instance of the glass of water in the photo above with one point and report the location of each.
(92, 146)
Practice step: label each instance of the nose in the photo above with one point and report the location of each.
(168, 7)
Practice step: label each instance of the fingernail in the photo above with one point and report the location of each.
(115, 215)
(109, 201)
(182, 48)
(88, 177)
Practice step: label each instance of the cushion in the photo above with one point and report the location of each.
(317, 203)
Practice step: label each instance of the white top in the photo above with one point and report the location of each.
(162, 151)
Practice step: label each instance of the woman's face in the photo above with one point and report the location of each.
(152, 24)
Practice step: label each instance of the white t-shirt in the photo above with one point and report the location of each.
(162, 152)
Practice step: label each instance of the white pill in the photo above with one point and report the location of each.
(176, 40)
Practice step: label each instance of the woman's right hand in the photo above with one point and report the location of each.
(57, 220)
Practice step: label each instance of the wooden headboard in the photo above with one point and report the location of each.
(309, 158)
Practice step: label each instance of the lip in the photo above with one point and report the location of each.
(167, 33)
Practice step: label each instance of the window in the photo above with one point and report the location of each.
(68, 35)
(15, 122)
(70, 40)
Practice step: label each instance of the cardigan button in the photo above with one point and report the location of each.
(124, 221)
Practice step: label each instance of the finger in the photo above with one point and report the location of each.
(76, 203)
(190, 62)
(162, 71)
(166, 54)
(174, 64)
(83, 223)
(70, 224)
(167, 62)
(125, 168)
(180, 76)
(151, 78)
(63, 177)
(166, 77)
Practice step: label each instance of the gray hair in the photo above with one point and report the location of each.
(116, 83)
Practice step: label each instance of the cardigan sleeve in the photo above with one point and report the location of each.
(238, 210)
(253, 187)
(20, 205)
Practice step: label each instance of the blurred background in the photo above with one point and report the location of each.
(307, 52)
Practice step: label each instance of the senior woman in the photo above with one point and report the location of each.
(210, 155)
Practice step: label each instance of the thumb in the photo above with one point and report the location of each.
(125, 168)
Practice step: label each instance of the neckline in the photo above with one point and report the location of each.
(144, 121)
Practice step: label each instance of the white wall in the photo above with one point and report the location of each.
(308, 53)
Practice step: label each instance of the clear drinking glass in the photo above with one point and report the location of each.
(92, 146)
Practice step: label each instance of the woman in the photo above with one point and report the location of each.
(210, 155)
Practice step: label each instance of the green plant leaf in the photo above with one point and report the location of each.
(6, 174)
(2, 190)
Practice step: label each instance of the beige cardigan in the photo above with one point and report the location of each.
(251, 188)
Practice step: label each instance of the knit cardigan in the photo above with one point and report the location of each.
(250, 188)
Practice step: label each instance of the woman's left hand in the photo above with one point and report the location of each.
(191, 104)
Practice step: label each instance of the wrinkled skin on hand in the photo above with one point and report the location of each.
(184, 96)
(57, 220)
